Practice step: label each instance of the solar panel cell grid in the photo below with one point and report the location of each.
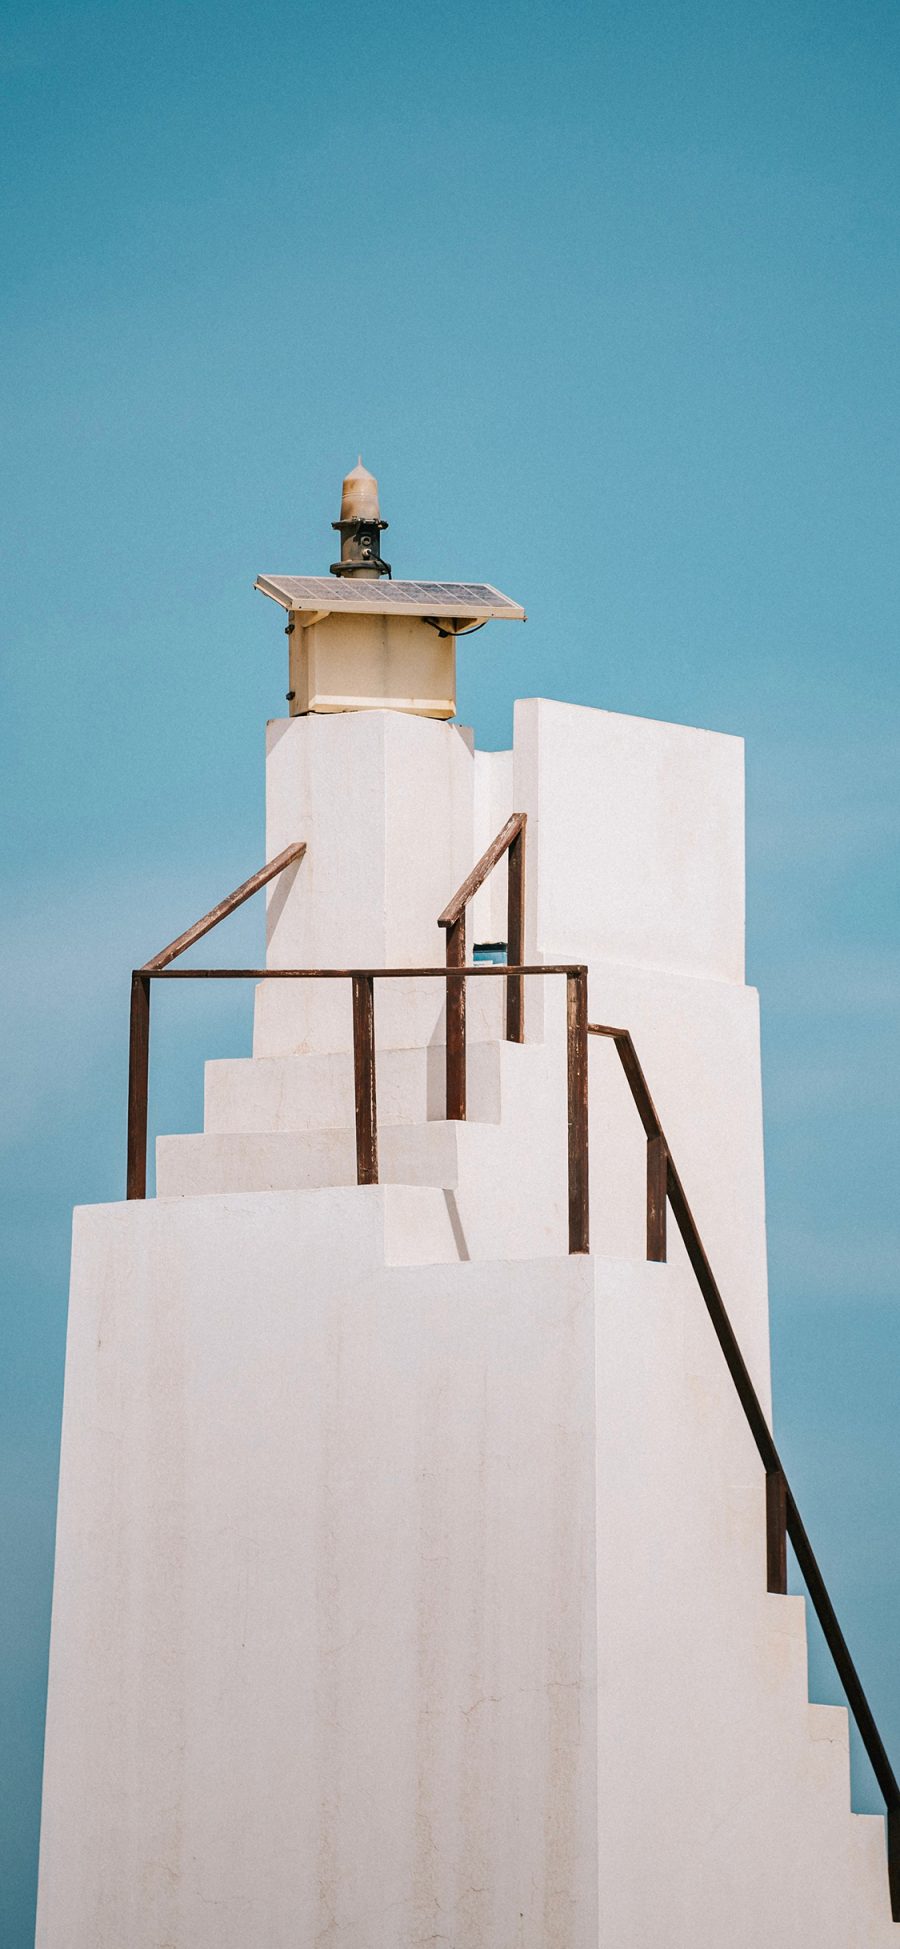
(330, 592)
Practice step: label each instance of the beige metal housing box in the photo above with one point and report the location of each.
(353, 663)
(368, 644)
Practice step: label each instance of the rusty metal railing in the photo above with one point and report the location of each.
(783, 1520)
(139, 1041)
(362, 983)
(511, 839)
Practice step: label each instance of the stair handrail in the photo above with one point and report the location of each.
(223, 908)
(362, 982)
(511, 839)
(783, 1519)
(139, 1034)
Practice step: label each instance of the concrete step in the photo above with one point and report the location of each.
(829, 1733)
(204, 1165)
(296, 1017)
(506, 1182)
(315, 1092)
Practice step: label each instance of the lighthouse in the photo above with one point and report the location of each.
(360, 642)
(420, 1564)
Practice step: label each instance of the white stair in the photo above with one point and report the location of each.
(266, 1130)
(313, 1091)
(302, 1160)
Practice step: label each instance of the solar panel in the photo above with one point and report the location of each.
(361, 598)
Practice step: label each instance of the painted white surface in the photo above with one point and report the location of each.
(410, 1575)
(492, 806)
(698, 1044)
(202, 1166)
(389, 799)
(316, 1091)
(508, 1184)
(723, 1790)
(400, 1603)
(323, 1642)
(639, 835)
(636, 866)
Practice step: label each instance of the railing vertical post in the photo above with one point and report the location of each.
(364, 1079)
(456, 1022)
(893, 1855)
(515, 937)
(577, 1077)
(776, 1532)
(138, 1074)
(657, 1177)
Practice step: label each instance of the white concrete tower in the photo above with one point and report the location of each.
(418, 1578)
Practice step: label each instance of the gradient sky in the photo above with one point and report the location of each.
(608, 297)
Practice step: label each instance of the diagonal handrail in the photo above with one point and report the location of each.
(783, 1519)
(227, 906)
(456, 907)
(139, 1038)
(511, 839)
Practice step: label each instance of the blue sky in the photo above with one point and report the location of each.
(608, 297)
